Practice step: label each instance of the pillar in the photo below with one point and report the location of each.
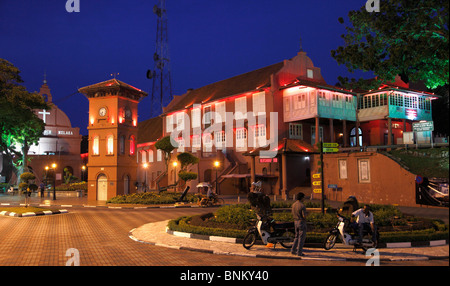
(331, 131)
(389, 141)
(284, 192)
(344, 131)
(252, 170)
(317, 132)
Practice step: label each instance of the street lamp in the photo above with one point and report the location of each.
(145, 183)
(175, 164)
(53, 168)
(216, 164)
(83, 172)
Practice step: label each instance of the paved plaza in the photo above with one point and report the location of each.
(132, 235)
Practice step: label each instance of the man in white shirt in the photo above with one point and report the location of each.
(364, 218)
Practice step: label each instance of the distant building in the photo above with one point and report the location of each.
(59, 144)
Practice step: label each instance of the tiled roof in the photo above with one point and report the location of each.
(112, 83)
(233, 86)
(150, 130)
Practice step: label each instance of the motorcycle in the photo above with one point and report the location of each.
(340, 230)
(270, 232)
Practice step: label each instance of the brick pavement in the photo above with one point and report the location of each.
(102, 236)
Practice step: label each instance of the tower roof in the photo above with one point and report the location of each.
(112, 87)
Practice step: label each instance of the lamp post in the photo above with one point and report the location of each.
(216, 165)
(83, 172)
(53, 168)
(145, 182)
(175, 164)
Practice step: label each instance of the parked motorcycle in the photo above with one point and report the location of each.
(340, 230)
(270, 232)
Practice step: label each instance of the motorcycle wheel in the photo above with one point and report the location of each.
(330, 241)
(249, 240)
(288, 244)
(220, 201)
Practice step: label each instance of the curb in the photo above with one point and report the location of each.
(312, 245)
(322, 258)
(28, 214)
(108, 207)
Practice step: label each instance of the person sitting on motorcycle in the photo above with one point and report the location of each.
(364, 219)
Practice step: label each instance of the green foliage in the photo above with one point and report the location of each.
(151, 198)
(165, 145)
(187, 176)
(27, 176)
(19, 125)
(187, 159)
(406, 38)
(69, 177)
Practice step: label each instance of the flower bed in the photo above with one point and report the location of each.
(234, 220)
(152, 198)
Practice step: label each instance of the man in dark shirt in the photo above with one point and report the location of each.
(299, 214)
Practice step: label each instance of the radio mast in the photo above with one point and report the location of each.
(162, 80)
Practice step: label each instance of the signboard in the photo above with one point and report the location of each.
(317, 191)
(268, 160)
(332, 150)
(317, 183)
(333, 186)
(330, 145)
(423, 126)
(316, 176)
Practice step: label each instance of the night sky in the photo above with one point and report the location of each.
(209, 40)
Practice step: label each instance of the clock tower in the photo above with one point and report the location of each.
(113, 115)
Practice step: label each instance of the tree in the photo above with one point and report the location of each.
(19, 125)
(186, 160)
(165, 145)
(26, 184)
(406, 38)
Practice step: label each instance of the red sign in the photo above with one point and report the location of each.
(268, 160)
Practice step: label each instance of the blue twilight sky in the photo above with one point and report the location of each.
(209, 40)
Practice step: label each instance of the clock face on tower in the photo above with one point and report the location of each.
(102, 111)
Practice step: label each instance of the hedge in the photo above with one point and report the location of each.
(234, 220)
(182, 224)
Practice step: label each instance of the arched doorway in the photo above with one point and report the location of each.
(102, 188)
(126, 185)
(353, 137)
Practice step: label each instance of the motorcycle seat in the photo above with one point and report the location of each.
(283, 225)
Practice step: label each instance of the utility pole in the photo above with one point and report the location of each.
(161, 76)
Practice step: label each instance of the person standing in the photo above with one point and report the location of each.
(299, 214)
(42, 187)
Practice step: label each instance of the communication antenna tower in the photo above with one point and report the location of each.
(162, 80)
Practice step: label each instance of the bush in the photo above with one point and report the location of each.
(233, 220)
(151, 198)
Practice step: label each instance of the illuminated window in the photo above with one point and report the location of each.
(207, 142)
(95, 143)
(220, 112)
(132, 145)
(143, 156)
(196, 113)
(309, 73)
(240, 105)
(110, 145)
(150, 156)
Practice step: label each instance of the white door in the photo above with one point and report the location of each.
(102, 188)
